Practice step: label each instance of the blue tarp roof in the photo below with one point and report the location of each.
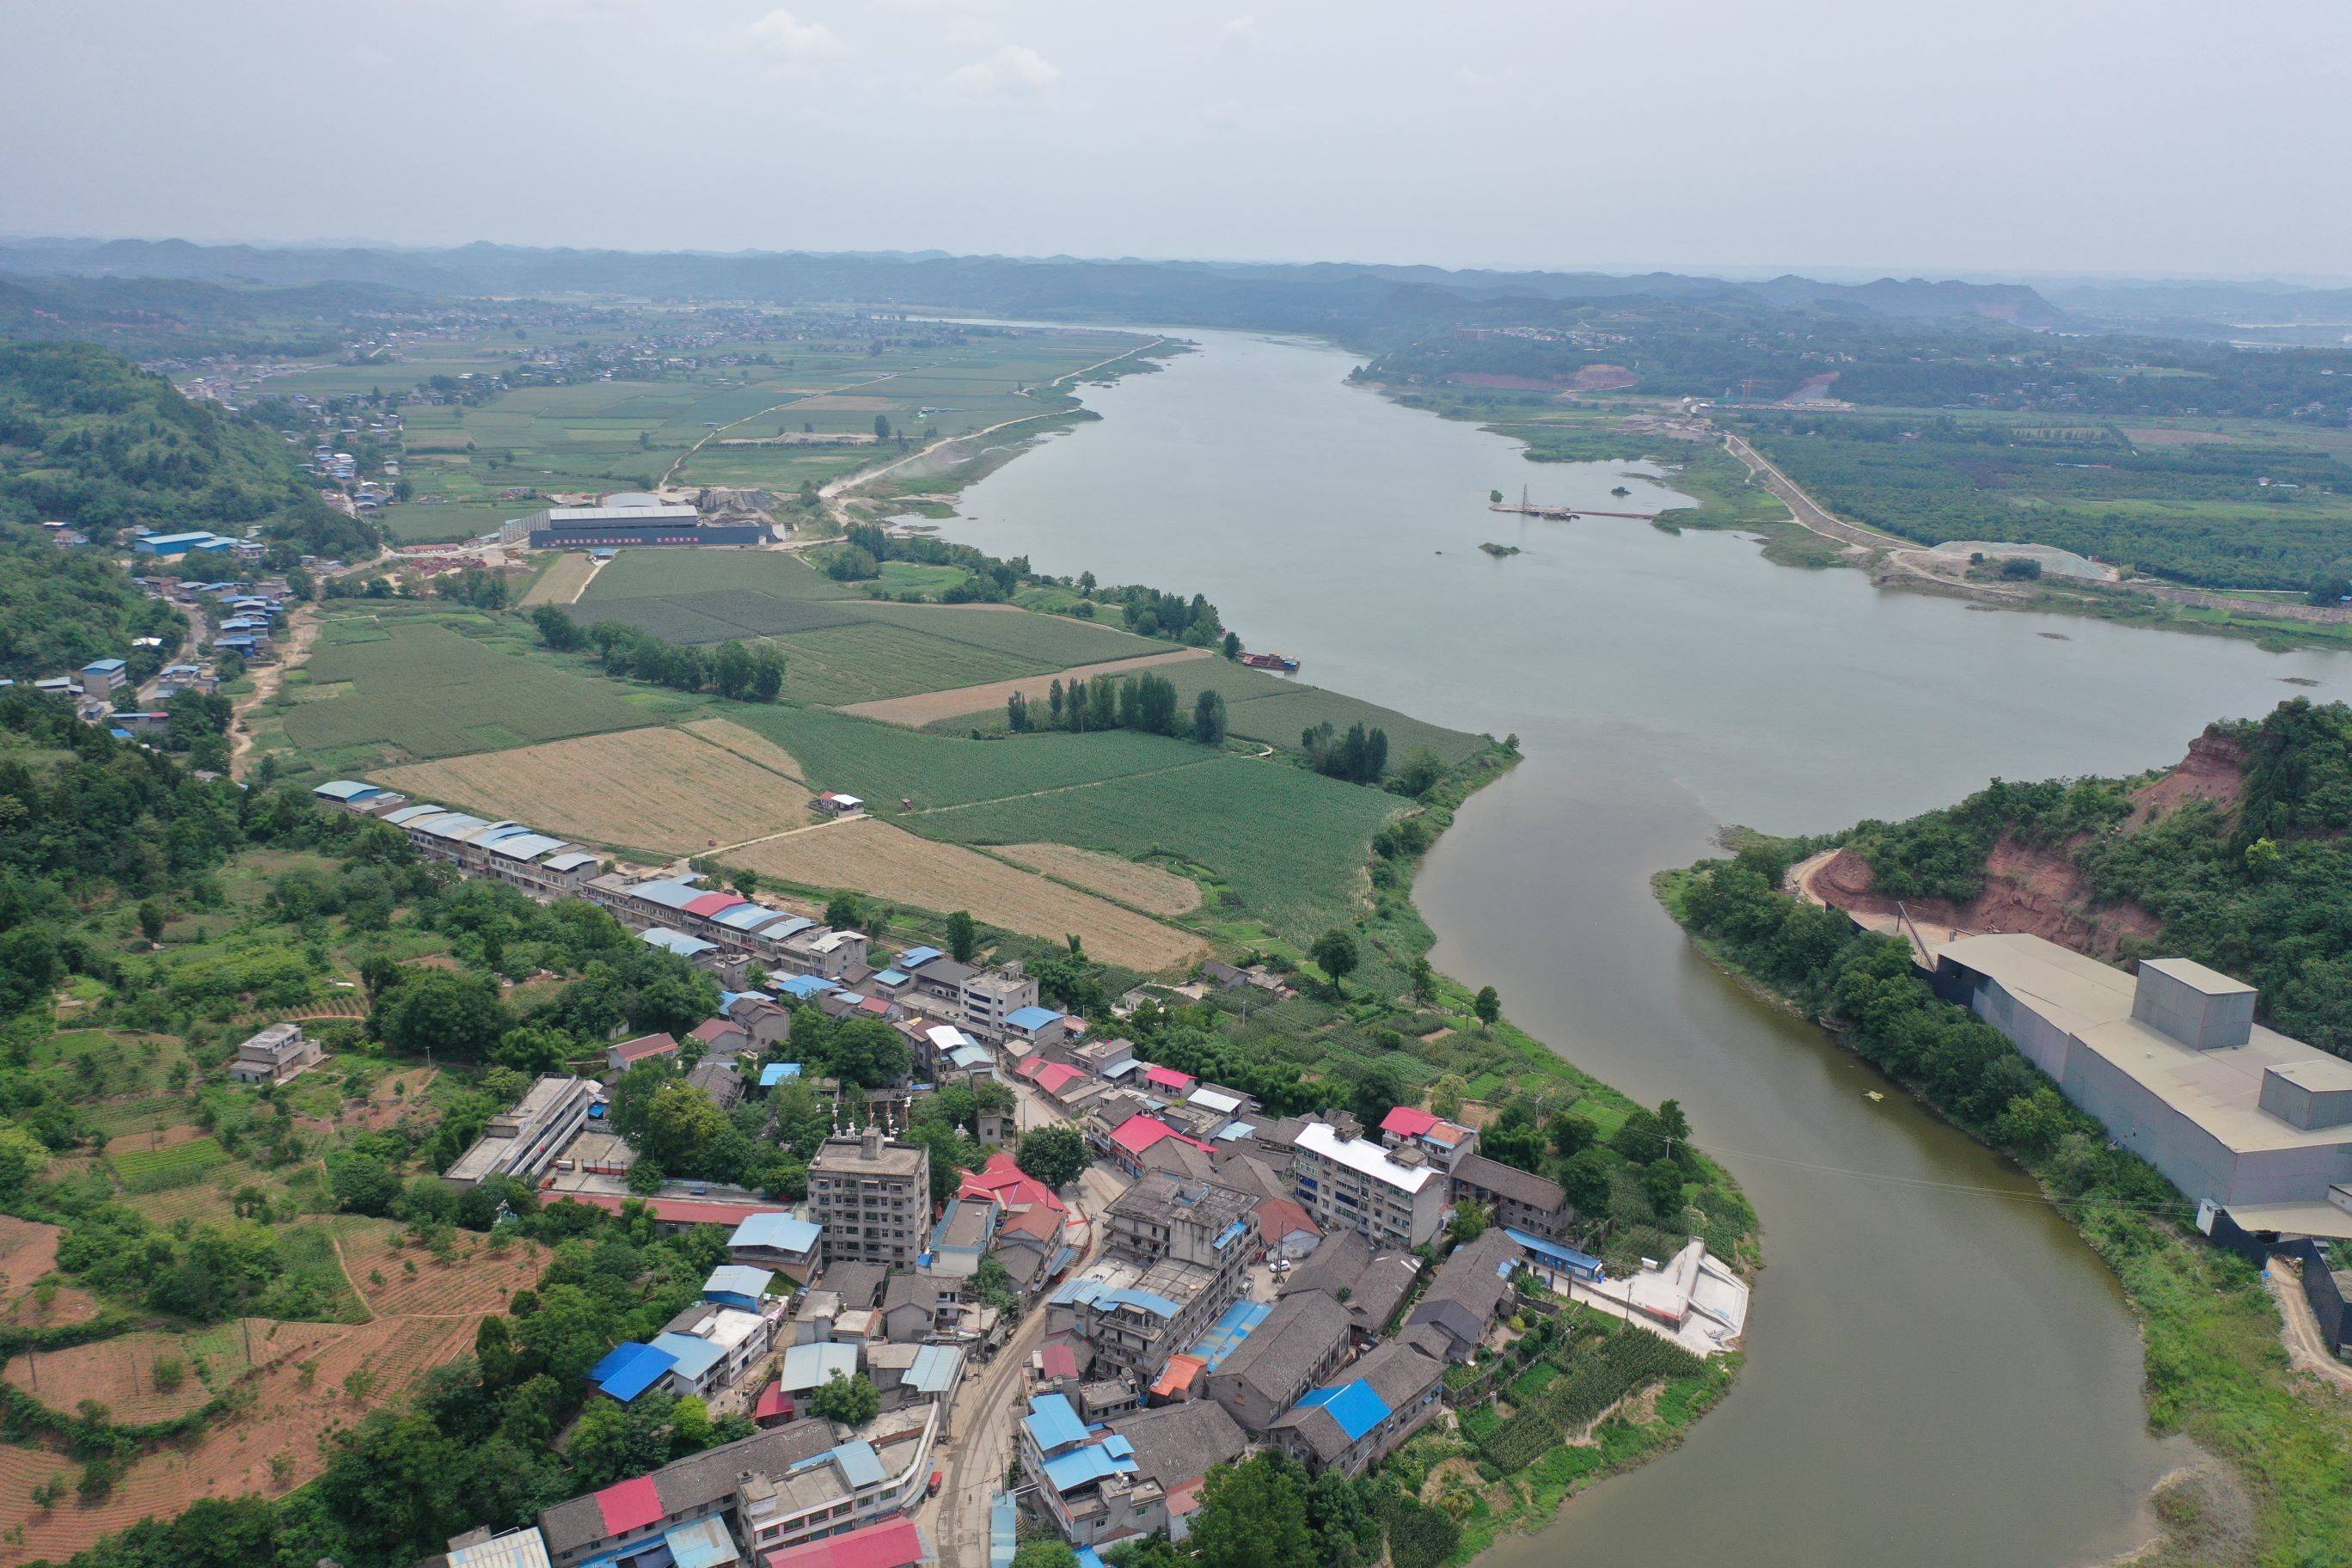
(784, 1232)
(1553, 1253)
(1087, 1557)
(1357, 1406)
(631, 1369)
(1053, 1423)
(775, 1073)
(1226, 1335)
(694, 1356)
(1031, 1018)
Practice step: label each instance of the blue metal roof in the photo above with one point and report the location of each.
(1067, 1472)
(739, 1280)
(934, 1369)
(860, 1465)
(1558, 1256)
(1053, 1423)
(1031, 1018)
(671, 893)
(705, 1543)
(971, 1057)
(676, 941)
(102, 666)
(775, 1073)
(784, 1232)
(748, 916)
(1227, 1334)
(892, 977)
(815, 1366)
(524, 846)
(694, 1356)
(1004, 1530)
(567, 862)
(791, 925)
(804, 986)
(347, 789)
(1357, 1406)
(630, 1369)
(914, 958)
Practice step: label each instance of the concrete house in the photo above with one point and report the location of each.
(275, 1055)
(1300, 1343)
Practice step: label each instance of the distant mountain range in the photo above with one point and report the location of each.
(1324, 296)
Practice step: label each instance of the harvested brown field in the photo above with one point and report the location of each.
(561, 582)
(120, 1373)
(872, 856)
(930, 707)
(29, 1254)
(656, 788)
(399, 1279)
(839, 402)
(2162, 436)
(751, 747)
(1132, 882)
(290, 1412)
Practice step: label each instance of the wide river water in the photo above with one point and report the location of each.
(1938, 1371)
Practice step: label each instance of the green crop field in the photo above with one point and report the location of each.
(841, 665)
(1291, 844)
(722, 613)
(884, 762)
(648, 573)
(1049, 642)
(153, 1170)
(413, 524)
(426, 692)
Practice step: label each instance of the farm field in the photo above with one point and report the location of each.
(412, 686)
(563, 581)
(884, 762)
(753, 748)
(934, 707)
(721, 615)
(291, 1410)
(412, 524)
(654, 573)
(657, 788)
(479, 1279)
(1146, 887)
(1269, 709)
(837, 665)
(1290, 844)
(873, 856)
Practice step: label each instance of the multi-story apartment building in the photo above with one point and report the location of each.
(1394, 1197)
(1179, 1255)
(873, 1197)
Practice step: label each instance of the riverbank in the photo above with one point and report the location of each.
(2210, 1332)
(1798, 533)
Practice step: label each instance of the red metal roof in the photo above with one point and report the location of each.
(715, 1029)
(1169, 1078)
(1408, 1122)
(1139, 1133)
(773, 1402)
(1059, 1359)
(629, 1505)
(711, 903)
(1178, 1376)
(894, 1543)
(1055, 1077)
(645, 1045)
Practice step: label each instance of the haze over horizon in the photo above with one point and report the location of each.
(2008, 141)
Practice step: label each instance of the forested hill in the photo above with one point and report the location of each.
(2240, 858)
(59, 609)
(89, 438)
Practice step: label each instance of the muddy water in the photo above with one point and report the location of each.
(1938, 1370)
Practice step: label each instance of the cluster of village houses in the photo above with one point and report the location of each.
(1258, 1280)
(243, 619)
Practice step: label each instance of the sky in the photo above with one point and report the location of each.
(2123, 137)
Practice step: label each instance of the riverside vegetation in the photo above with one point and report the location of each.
(2216, 1371)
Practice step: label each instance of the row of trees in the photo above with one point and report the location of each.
(1147, 702)
(1359, 756)
(754, 673)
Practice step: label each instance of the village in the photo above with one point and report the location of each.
(1205, 1280)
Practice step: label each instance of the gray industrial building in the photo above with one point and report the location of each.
(634, 519)
(2171, 1060)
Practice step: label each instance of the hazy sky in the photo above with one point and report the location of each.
(2148, 136)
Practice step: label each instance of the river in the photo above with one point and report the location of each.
(1938, 1368)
